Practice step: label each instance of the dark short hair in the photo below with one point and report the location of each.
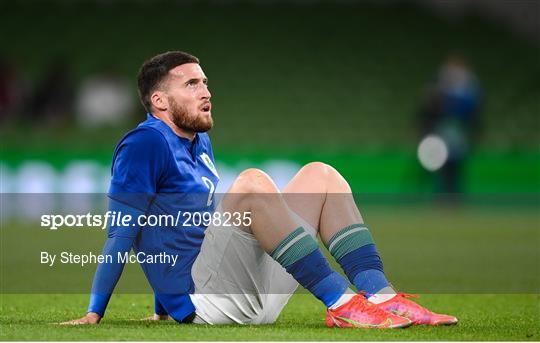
(155, 70)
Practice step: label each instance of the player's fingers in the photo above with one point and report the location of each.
(71, 322)
(80, 321)
(156, 317)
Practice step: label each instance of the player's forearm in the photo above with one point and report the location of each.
(119, 243)
(108, 274)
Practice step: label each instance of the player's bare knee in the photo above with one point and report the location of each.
(319, 169)
(254, 180)
(328, 174)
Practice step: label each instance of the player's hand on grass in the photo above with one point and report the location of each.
(158, 317)
(89, 318)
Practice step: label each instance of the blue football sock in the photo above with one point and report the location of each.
(355, 251)
(299, 254)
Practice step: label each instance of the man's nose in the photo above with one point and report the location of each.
(206, 93)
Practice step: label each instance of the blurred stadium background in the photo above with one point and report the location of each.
(346, 83)
(357, 84)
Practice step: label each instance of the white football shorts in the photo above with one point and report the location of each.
(236, 281)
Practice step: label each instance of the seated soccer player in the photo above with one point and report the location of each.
(246, 272)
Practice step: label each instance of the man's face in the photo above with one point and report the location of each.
(189, 99)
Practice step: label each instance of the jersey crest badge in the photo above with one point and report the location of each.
(208, 162)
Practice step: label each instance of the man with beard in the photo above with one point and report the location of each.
(246, 272)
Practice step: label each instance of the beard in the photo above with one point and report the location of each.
(181, 117)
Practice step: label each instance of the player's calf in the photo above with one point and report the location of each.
(299, 254)
(355, 251)
(293, 247)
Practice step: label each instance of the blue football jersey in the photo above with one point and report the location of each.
(158, 174)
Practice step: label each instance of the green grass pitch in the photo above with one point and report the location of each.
(482, 317)
(449, 253)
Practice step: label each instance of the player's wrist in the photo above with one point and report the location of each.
(93, 317)
(160, 316)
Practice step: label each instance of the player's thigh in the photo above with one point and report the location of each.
(236, 281)
(281, 284)
(305, 193)
(231, 276)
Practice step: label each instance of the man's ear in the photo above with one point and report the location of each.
(159, 101)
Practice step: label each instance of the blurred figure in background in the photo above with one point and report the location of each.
(52, 99)
(104, 99)
(12, 89)
(451, 113)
